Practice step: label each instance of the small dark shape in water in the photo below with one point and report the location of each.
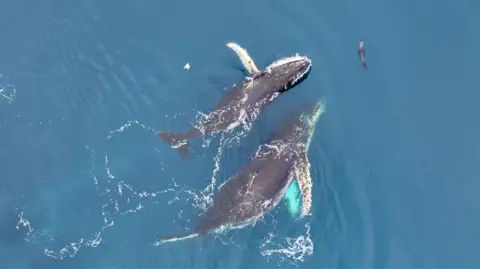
(361, 53)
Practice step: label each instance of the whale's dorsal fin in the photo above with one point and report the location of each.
(302, 173)
(247, 61)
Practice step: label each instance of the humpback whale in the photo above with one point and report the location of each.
(244, 102)
(260, 185)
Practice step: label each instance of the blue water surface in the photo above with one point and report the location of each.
(86, 183)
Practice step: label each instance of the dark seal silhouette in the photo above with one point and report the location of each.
(361, 53)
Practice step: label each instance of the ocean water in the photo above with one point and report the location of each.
(86, 183)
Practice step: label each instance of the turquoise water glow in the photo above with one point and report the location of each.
(293, 198)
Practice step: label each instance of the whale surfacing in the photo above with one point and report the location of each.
(260, 185)
(244, 102)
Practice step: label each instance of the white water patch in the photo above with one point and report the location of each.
(293, 250)
(290, 250)
(234, 133)
(127, 125)
(286, 60)
(202, 199)
(121, 199)
(245, 116)
(8, 92)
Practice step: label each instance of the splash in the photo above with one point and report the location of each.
(8, 92)
(127, 125)
(236, 131)
(292, 250)
(122, 199)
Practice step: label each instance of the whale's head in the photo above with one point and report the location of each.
(300, 125)
(286, 73)
(302, 122)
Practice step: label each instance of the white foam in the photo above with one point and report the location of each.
(120, 199)
(289, 59)
(295, 249)
(8, 92)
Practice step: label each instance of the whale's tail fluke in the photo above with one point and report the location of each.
(176, 140)
(175, 237)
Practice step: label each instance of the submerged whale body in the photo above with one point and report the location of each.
(260, 185)
(243, 103)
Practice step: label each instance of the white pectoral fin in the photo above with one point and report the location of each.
(247, 61)
(302, 173)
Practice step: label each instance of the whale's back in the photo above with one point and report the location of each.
(248, 194)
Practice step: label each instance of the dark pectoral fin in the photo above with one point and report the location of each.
(302, 173)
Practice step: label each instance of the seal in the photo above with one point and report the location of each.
(245, 101)
(361, 53)
(261, 184)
